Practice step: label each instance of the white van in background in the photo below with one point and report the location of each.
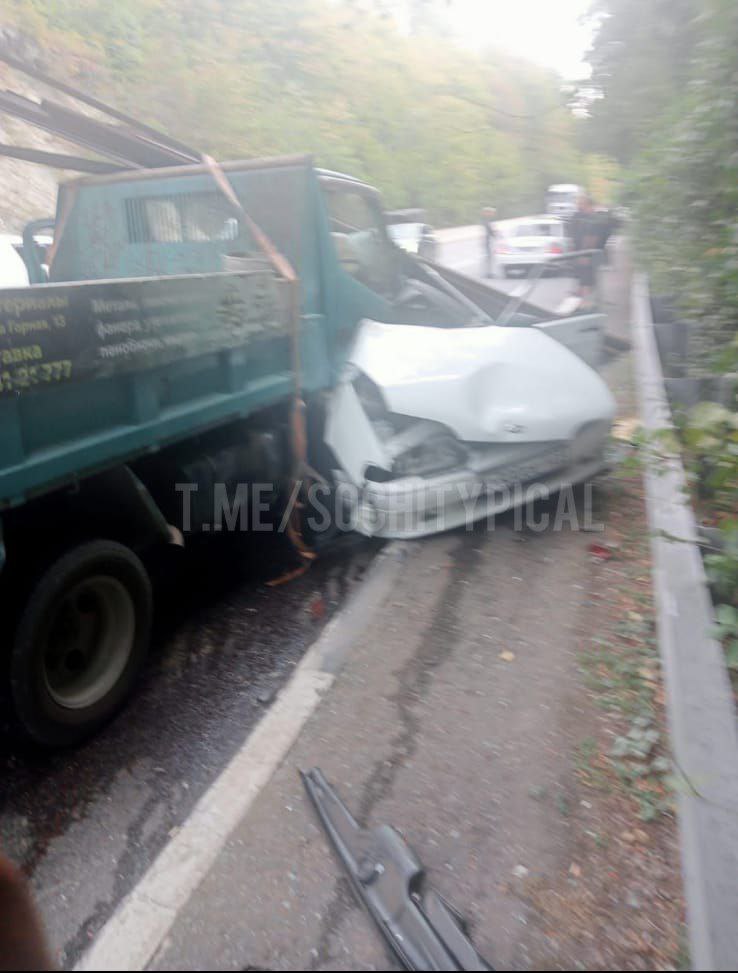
(561, 199)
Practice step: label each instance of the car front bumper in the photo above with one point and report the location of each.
(414, 507)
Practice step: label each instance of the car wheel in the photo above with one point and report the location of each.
(80, 643)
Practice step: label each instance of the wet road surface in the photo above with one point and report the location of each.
(85, 824)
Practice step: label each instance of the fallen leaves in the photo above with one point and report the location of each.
(626, 429)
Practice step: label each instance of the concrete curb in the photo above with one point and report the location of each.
(700, 707)
(134, 933)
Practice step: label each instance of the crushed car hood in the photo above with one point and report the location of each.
(487, 384)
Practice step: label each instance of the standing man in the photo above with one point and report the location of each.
(489, 215)
(585, 233)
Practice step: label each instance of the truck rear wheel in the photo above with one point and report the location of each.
(80, 642)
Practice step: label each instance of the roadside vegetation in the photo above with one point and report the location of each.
(402, 106)
(667, 74)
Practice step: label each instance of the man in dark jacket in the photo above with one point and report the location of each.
(585, 232)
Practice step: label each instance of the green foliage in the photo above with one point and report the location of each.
(710, 436)
(671, 106)
(429, 123)
(711, 447)
(667, 74)
(726, 629)
(639, 57)
(685, 190)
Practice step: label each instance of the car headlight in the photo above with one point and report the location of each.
(416, 447)
(438, 454)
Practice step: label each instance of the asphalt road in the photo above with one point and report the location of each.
(86, 824)
(466, 256)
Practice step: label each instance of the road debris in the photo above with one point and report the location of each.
(423, 930)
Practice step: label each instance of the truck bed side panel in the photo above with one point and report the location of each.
(94, 373)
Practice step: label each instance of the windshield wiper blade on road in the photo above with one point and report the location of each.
(423, 930)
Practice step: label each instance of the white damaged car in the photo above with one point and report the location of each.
(432, 428)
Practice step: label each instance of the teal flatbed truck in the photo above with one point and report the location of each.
(155, 348)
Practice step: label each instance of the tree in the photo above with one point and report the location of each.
(431, 124)
(640, 57)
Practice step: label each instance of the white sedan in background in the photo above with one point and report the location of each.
(527, 242)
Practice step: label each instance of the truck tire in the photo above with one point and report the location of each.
(80, 643)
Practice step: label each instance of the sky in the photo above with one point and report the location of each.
(545, 31)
